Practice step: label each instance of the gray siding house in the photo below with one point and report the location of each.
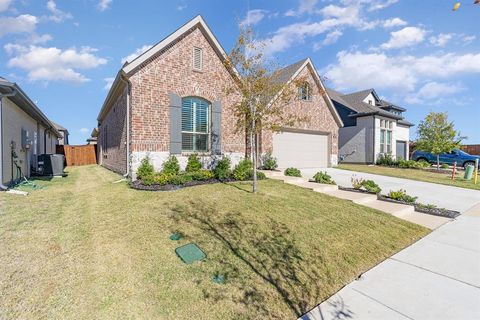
(372, 127)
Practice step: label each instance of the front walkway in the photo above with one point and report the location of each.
(436, 278)
(442, 196)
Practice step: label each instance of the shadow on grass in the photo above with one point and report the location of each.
(269, 250)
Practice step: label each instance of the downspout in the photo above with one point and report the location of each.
(11, 94)
(374, 142)
(128, 84)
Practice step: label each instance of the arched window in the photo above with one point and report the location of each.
(195, 125)
(304, 92)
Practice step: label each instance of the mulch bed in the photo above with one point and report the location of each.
(355, 190)
(138, 185)
(452, 214)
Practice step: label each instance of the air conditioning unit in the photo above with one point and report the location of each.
(51, 164)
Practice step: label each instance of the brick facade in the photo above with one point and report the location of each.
(319, 117)
(112, 139)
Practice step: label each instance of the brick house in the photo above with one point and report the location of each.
(172, 100)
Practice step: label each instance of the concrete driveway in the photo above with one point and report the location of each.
(442, 196)
(437, 278)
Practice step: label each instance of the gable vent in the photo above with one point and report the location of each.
(197, 58)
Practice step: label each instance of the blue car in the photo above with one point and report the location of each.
(462, 158)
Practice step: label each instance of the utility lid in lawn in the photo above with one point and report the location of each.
(190, 253)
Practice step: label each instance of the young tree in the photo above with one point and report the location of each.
(436, 135)
(262, 101)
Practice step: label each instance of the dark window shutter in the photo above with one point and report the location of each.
(217, 127)
(175, 124)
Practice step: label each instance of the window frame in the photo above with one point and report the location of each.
(195, 133)
(302, 95)
(386, 133)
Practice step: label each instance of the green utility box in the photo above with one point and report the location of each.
(469, 172)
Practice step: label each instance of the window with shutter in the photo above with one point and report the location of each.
(197, 58)
(195, 125)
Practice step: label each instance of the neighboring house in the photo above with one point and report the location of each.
(372, 127)
(64, 134)
(93, 137)
(25, 133)
(171, 100)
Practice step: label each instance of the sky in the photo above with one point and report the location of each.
(417, 54)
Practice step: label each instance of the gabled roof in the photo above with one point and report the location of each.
(59, 127)
(354, 102)
(130, 67)
(289, 73)
(21, 99)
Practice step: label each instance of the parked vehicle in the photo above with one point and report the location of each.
(462, 158)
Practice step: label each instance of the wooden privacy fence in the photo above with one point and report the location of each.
(78, 155)
(471, 148)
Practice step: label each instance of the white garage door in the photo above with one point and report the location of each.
(300, 150)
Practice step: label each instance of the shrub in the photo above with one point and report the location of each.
(193, 163)
(145, 169)
(222, 170)
(323, 177)
(401, 195)
(269, 162)
(171, 166)
(444, 166)
(202, 175)
(292, 172)
(412, 164)
(180, 179)
(243, 170)
(371, 186)
(260, 175)
(386, 160)
(148, 180)
(357, 183)
(163, 178)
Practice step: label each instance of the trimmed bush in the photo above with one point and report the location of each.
(444, 166)
(180, 179)
(222, 170)
(323, 177)
(269, 162)
(292, 172)
(202, 175)
(410, 164)
(243, 170)
(386, 160)
(163, 178)
(371, 186)
(145, 169)
(193, 163)
(148, 180)
(401, 195)
(260, 175)
(171, 166)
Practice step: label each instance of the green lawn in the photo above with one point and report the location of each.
(86, 248)
(415, 174)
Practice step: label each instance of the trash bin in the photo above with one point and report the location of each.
(469, 172)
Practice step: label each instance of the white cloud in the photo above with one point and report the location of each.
(57, 14)
(53, 64)
(84, 130)
(434, 91)
(468, 39)
(403, 73)
(442, 39)
(104, 5)
(181, 7)
(334, 18)
(108, 83)
(379, 4)
(405, 37)
(253, 17)
(305, 6)
(24, 23)
(394, 22)
(39, 39)
(135, 54)
(331, 38)
(4, 4)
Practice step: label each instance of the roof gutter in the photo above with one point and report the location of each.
(3, 95)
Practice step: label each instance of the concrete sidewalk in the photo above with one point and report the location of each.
(436, 278)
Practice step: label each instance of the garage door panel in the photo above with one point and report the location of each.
(300, 150)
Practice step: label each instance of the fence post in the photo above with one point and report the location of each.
(476, 171)
(454, 170)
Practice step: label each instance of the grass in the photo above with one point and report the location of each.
(415, 174)
(86, 248)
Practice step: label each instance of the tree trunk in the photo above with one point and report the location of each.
(438, 162)
(253, 145)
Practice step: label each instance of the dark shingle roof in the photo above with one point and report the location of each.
(59, 127)
(285, 74)
(354, 101)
